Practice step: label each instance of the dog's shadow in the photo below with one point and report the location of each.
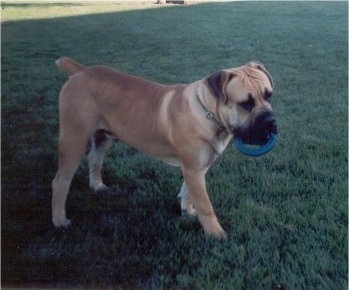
(127, 208)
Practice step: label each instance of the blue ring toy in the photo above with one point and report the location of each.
(257, 151)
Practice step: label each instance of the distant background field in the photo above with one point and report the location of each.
(285, 213)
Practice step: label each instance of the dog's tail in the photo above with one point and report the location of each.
(69, 65)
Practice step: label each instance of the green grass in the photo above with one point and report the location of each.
(285, 213)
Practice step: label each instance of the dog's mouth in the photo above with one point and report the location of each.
(259, 132)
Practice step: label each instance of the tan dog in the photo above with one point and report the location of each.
(183, 125)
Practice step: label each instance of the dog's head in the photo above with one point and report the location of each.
(243, 97)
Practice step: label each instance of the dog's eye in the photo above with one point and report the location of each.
(248, 105)
(267, 95)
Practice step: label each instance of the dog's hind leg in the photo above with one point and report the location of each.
(71, 150)
(100, 143)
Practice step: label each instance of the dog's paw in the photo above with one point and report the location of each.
(187, 207)
(99, 187)
(212, 227)
(218, 234)
(188, 211)
(61, 223)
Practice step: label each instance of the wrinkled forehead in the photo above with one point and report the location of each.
(253, 77)
(249, 80)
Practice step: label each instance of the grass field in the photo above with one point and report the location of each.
(285, 213)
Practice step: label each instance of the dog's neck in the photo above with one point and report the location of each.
(209, 115)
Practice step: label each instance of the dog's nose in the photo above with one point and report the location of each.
(268, 122)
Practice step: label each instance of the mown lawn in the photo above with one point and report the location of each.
(285, 213)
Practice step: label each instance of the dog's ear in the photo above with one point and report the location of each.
(217, 84)
(260, 66)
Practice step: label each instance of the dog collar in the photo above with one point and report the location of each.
(209, 115)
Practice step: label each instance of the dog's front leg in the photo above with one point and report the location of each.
(195, 181)
(185, 201)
